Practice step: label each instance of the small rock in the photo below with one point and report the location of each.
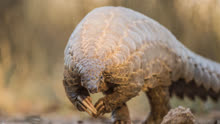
(179, 115)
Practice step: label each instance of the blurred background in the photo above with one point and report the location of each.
(33, 35)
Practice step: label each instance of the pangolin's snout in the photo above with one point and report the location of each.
(92, 89)
(91, 86)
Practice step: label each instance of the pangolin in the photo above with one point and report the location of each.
(120, 52)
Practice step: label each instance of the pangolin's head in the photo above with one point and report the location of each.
(92, 77)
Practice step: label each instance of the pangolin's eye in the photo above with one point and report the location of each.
(83, 80)
(101, 77)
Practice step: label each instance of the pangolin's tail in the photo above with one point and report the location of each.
(199, 77)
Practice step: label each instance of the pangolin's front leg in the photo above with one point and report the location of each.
(121, 115)
(116, 99)
(78, 95)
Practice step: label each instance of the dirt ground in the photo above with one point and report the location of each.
(210, 118)
(36, 119)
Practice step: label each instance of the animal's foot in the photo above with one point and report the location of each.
(122, 122)
(84, 103)
(101, 107)
(152, 121)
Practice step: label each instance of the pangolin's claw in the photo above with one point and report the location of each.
(79, 106)
(99, 104)
(86, 104)
(84, 108)
(100, 108)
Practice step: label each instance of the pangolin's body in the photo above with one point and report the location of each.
(133, 51)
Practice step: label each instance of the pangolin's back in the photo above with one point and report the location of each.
(112, 36)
